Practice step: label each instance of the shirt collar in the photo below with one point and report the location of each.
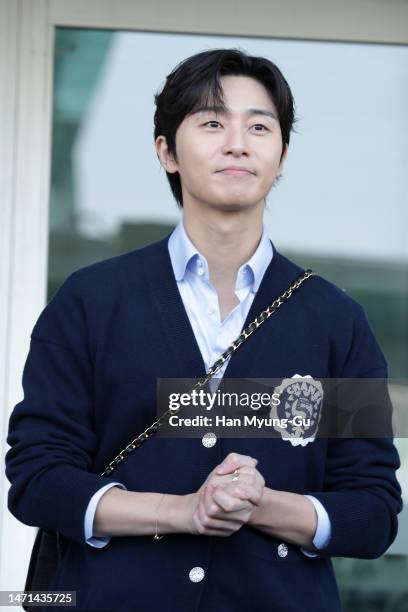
(183, 255)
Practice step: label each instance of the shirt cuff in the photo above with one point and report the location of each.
(97, 541)
(323, 529)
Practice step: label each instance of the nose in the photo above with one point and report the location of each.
(235, 141)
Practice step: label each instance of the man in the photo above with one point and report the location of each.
(238, 524)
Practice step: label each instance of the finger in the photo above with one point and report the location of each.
(246, 477)
(201, 512)
(228, 502)
(215, 523)
(234, 489)
(252, 478)
(243, 491)
(226, 479)
(235, 461)
(208, 507)
(246, 492)
(211, 507)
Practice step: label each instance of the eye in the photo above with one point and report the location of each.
(256, 125)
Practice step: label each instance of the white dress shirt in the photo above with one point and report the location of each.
(213, 336)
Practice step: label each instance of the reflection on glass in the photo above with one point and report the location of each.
(339, 208)
(81, 229)
(374, 585)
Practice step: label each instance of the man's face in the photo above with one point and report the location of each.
(208, 142)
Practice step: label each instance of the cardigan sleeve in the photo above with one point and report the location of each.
(90, 539)
(323, 528)
(51, 435)
(361, 493)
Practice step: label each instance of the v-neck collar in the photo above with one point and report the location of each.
(177, 327)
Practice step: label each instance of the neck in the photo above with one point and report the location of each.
(226, 240)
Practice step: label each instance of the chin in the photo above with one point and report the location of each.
(232, 206)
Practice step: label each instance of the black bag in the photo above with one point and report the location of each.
(49, 547)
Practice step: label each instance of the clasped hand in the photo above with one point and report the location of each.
(222, 505)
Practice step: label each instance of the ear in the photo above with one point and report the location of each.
(283, 158)
(166, 159)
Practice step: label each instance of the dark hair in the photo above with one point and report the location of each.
(196, 81)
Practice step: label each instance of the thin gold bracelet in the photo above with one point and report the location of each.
(156, 535)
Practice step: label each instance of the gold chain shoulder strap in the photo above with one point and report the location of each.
(265, 314)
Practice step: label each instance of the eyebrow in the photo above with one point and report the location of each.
(226, 111)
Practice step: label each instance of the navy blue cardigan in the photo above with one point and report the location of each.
(89, 381)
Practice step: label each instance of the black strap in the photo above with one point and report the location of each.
(244, 335)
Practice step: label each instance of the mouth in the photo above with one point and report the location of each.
(236, 172)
